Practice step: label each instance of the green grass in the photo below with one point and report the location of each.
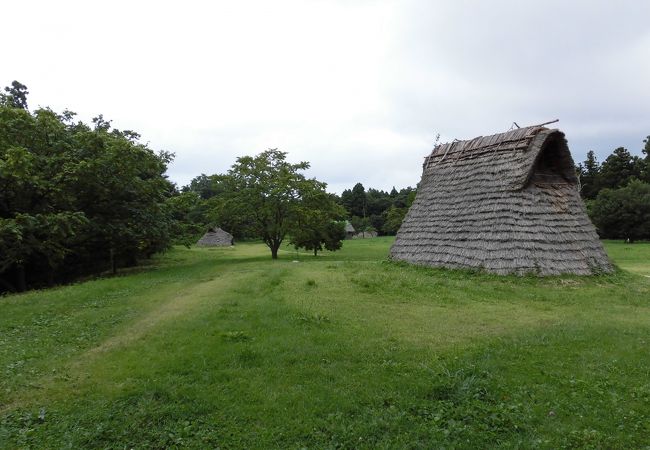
(225, 348)
(632, 257)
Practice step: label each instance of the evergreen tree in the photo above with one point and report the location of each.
(618, 169)
(645, 173)
(589, 172)
(354, 200)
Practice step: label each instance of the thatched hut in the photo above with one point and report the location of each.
(365, 235)
(349, 230)
(216, 237)
(507, 203)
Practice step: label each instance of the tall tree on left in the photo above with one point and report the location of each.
(38, 221)
(74, 200)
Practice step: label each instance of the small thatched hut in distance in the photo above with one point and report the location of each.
(507, 203)
(349, 230)
(365, 235)
(216, 237)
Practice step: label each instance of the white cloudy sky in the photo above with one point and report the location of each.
(359, 88)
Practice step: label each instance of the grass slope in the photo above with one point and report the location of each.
(225, 348)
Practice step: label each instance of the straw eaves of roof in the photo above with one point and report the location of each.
(506, 203)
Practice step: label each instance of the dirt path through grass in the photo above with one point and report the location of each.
(174, 305)
(171, 308)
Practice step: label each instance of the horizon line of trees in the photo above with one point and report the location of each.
(377, 210)
(200, 205)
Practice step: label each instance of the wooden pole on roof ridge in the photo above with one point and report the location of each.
(515, 124)
(547, 123)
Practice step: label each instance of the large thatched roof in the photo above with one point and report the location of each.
(507, 203)
(216, 237)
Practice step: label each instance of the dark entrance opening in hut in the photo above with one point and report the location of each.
(554, 164)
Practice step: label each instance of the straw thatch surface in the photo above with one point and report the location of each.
(349, 230)
(506, 203)
(216, 237)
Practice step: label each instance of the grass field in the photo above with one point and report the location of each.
(208, 348)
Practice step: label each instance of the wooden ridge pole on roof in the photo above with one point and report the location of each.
(547, 123)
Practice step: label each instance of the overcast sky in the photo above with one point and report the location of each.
(357, 88)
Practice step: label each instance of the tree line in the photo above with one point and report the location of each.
(75, 198)
(377, 210)
(617, 193)
(208, 200)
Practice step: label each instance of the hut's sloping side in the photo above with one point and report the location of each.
(216, 237)
(507, 203)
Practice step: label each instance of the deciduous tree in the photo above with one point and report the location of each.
(318, 225)
(267, 191)
(16, 95)
(394, 218)
(72, 197)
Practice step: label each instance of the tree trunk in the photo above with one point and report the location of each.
(113, 265)
(21, 281)
(50, 277)
(131, 260)
(274, 244)
(315, 252)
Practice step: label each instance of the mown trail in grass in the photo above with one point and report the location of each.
(228, 348)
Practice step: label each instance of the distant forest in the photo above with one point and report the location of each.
(199, 204)
(81, 199)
